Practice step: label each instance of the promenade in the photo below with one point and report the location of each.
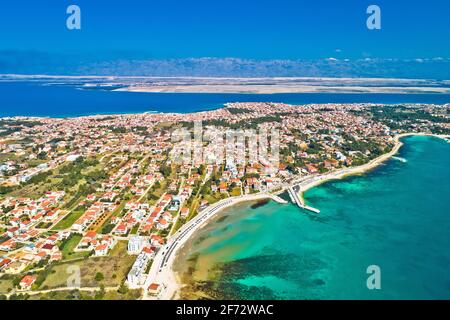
(162, 272)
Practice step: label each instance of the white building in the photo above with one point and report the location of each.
(72, 157)
(137, 275)
(135, 244)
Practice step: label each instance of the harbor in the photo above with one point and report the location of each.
(294, 192)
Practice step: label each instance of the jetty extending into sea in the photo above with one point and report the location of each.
(294, 192)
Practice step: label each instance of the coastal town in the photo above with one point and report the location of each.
(95, 207)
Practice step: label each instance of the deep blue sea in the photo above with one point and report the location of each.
(37, 99)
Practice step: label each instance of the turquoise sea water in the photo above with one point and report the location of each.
(396, 216)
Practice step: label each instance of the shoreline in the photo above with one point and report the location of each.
(280, 89)
(374, 163)
(162, 271)
(171, 277)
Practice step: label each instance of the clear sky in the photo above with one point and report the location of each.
(256, 29)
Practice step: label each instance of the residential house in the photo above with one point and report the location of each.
(27, 282)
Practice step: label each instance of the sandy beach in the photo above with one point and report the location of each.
(162, 271)
(340, 174)
(272, 89)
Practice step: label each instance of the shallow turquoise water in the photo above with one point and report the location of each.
(397, 217)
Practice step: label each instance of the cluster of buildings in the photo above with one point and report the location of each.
(21, 216)
(145, 249)
(97, 209)
(42, 248)
(100, 244)
(132, 149)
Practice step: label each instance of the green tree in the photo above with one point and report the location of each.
(99, 276)
(165, 170)
(123, 289)
(99, 295)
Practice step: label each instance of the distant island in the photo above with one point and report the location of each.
(249, 85)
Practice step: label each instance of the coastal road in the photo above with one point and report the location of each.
(161, 270)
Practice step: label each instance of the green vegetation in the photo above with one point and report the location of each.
(114, 267)
(69, 219)
(235, 192)
(107, 228)
(67, 248)
(6, 285)
(129, 294)
(178, 225)
(406, 118)
(238, 110)
(157, 191)
(134, 230)
(99, 276)
(165, 170)
(6, 189)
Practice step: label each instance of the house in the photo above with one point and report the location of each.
(22, 237)
(49, 248)
(154, 288)
(109, 196)
(101, 250)
(223, 187)
(121, 229)
(41, 255)
(203, 204)
(52, 239)
(311, 168)
(15, 267)
(37, 217)
(184, 212)
(114, 220)
(91, 235)
(162, 224)
(149, 251)
(4, 263)
(12, 232)
(147, 227)
(57, 256)
(269, 183)
(27, 282)
(167, 216)
(52, 215)
(91, 197)
(330, 163)
(25, 224)
(156, 240)
(8, 245)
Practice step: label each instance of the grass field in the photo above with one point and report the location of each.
(68, 220)
(5, 285)
(158, 192)
(70, 245)
(235, 192)
(213, 198)
(114, 267)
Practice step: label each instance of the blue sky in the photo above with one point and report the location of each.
(255, 29)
